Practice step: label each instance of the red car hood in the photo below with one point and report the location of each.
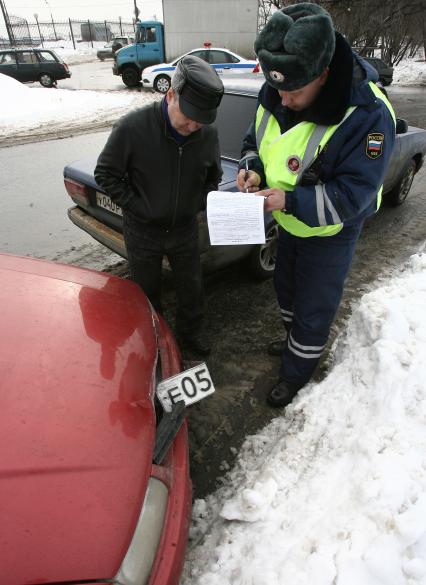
(77, 426)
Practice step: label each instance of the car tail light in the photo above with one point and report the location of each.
(78, 192)
(67, 69)
(256, 68)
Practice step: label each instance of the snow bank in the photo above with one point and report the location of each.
(334, 491)
(410, 72)
(27, 108)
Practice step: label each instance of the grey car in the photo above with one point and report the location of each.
(27, 65)
(107, 52)
(385, 71)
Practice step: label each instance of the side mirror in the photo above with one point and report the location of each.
(401, 126)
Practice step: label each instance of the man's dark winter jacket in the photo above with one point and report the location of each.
(350, 177)
(145, 171)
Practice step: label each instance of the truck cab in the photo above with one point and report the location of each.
(147, 50)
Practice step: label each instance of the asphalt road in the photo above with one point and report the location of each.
(96, 75)
(34, 202)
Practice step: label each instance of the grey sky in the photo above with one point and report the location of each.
(82, 9)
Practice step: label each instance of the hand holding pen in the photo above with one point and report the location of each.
(248, 181)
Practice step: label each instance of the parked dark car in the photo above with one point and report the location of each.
(385, 71)
(94, 476)
(113, 46)
(96, 214)
(28, 65)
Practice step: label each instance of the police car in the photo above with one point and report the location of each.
(224, 61)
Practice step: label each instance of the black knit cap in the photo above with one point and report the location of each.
(296, 45)
(202, 91)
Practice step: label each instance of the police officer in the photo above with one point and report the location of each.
(158, 165)
(317, 152)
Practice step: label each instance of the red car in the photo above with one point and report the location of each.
(94, 477)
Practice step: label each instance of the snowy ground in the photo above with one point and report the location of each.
(27, 109)
(333, 492)
(410, 72)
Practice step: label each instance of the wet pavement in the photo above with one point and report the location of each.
(35, 202)
(96, 75)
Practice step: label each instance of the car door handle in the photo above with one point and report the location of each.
(156, 50)
(227, 68)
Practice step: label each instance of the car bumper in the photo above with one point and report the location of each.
(102, 233)
(102, 55)
(147, 82)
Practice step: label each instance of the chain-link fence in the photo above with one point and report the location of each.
(20, 32)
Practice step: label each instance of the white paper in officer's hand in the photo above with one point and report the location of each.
(235, 218)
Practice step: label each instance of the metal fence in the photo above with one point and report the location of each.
(24, 33)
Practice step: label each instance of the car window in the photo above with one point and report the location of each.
(150, 35)
(7, 59)
(26, 58)
(46, 56)
(234, 116)
(219, 57)
(202, 54)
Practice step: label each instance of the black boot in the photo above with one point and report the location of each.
(277, 347)
(283, 393)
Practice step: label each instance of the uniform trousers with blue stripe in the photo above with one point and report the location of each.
(309, 278)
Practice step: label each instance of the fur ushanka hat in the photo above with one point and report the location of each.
(295, 46)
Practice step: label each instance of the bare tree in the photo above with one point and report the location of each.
(395, 27)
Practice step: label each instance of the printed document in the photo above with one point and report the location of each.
(235, 218)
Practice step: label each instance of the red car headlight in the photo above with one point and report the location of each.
(137, 564)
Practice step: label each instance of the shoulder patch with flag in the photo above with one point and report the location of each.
(374, 147)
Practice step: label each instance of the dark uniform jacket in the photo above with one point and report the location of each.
(351, 176)
(150, 176)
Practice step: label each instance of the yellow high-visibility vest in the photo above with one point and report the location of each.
(304, 141)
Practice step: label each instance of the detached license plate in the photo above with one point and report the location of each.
(106, 203)
(189, 386)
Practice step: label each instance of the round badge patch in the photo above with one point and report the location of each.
(294, 164)
(277, 76)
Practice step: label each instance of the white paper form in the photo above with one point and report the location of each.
(235, 218)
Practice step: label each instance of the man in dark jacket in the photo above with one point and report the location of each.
(321, 142)
(158, 165)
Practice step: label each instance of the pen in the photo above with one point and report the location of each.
(246, 174)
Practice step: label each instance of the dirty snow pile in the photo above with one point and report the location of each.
(333, 491)
(410, 72)
(28, 108)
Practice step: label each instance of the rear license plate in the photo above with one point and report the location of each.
(189, 386)
(106, 203)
